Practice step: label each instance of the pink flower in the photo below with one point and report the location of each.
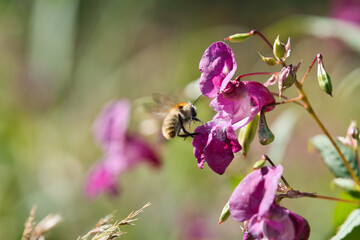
(347, 10)
(237, 103)
(101, 179)
(111, 124)
(253, 201)
(242, 101)
(122, 149)
(215, 143)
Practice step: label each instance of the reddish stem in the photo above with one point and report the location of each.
(309, 69)
(273, 164)
(253, 74)
(262, 36)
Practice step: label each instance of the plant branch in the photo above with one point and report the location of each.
(309, 108)
(256, 32)
(273, 164)
(308, 71)
(312, 195)
(253, 74)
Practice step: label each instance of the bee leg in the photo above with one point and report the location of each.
(186, 133)
(197, 120)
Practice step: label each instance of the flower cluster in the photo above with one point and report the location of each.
(253, 202)
(236, 103)
(122, 149)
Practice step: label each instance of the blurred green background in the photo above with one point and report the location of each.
(62, 60)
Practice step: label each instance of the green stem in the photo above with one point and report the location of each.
(312, 195)
(321, 125)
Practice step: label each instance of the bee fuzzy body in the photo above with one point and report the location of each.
(181, 114)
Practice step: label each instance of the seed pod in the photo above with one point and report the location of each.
(225, 213)
(279, 49)
(247, 134)
(239, 37)
(265, 135)
(269, 60)
(323, 77)
(259, 164)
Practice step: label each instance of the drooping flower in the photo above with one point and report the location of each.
(122, 150)
(255, 193)
(253, 201)
(237, 103)
(215, 143)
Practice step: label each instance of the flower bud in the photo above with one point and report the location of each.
(265, 135)
(323, 77)
(269, 60)
(287, 78)
(259, 164)
(225, 213)
(247, 134)
(279, 49)
(355, 132)
(239, 37)
(352, 136)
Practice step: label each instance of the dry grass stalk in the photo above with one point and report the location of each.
(36, 231)
(103, 230)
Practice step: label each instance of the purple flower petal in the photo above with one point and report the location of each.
(200, 141)
(242, 101)
(248, 236)
(217, 67)
(255, 193)
(277, 224)
(302, 227)
(216, 144)
(111, 124)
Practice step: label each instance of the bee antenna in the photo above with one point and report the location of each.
(197, 99)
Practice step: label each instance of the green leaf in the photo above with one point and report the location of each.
(332, 158)
(352, 221)
(343, 209)
(348, 185)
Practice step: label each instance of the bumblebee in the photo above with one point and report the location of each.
(177, 116)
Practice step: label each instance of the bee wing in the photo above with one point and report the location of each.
(163, 100)
(161, 106)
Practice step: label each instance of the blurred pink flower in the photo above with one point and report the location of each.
(122, 150)
(347, 10)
